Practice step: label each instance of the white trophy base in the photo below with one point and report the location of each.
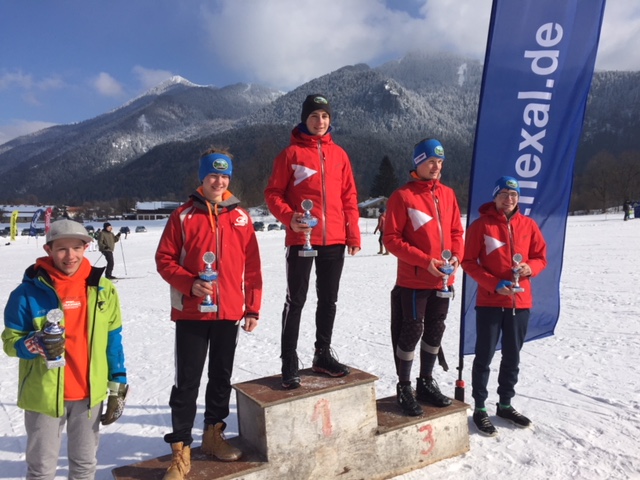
(517, 289)
(57, 363)
(208, 308)
(444, 294)
(307, 253)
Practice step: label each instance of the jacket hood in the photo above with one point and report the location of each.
(490, 209)
(298, 137)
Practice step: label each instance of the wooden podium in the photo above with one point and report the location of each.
(329, 427)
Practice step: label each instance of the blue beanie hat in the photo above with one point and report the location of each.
(215, 163)
(427, 148)
(509, 183)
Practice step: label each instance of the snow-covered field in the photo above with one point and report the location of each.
(581, 387)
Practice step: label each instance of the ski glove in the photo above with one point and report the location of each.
(115, 402)
(49, 346)
(504, 284)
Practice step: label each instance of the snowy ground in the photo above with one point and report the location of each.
(581, 387)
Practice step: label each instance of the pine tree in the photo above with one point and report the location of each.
(386, 180)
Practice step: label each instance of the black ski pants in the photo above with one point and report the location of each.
(193, 339)
(329, 263)
(491, 324)
(108, 256)
(415, 315)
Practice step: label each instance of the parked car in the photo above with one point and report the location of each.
(5, 232)
(25, 232)
(141, 229)
(40, 232)
(273, 226)
(124, 229)
(90, 229)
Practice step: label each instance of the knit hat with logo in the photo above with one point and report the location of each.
(314, 102)
(425, 149)
(509, 183)
(215, 163)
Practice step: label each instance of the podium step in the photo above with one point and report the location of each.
(203, 467)
(327, 428)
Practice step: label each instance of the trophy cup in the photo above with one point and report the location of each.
(310, 221)
(447, 269)
(52, 332)
(208, 275)
(517, 258)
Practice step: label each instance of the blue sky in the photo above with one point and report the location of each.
(66, 61)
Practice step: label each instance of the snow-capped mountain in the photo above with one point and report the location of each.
(139, 150)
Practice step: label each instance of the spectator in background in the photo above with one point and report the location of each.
(107, 244)
(626, 207)
(380, 230)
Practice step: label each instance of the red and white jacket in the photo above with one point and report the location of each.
(491, 242)
(423, 219)
(315, 168)
(225, 229)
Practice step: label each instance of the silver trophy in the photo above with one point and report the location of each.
(310, 221)
(208, 275)
(53, 330)
(447, 269)
(517, 258)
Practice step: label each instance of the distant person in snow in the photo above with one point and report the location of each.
(313, 168)
(502, 309)
(68, 373)
(626, 207)
(423, 221)
(107, 244)
(380, 230)
(207, 308)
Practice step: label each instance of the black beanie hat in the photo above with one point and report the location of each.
(314, 102)
(106, 224)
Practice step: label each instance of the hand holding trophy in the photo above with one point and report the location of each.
(447, 268)
(310, 221)
(208, 275)
(517, 258)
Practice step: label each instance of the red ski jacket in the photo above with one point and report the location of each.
(315, 168)
(491, 242)
(225, 229)
(423, 219)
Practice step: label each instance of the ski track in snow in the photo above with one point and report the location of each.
(581, 387)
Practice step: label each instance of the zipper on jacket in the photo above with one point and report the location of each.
(216, 284)
(324, 193)
(437, 205)
(512, 244)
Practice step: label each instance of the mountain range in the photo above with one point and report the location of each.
(148, 148)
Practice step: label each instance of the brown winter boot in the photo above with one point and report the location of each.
(214, 444)
(180, 462)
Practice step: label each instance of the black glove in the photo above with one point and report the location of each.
(115, 402)
(52, 344)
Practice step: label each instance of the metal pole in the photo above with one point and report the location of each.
(123, 260)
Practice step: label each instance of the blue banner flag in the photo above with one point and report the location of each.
(33, 229)
(537, 74)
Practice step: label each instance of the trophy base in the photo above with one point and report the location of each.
(208, 308)
(308, 253)
(517, 289)
(443, 294)
(57, 363)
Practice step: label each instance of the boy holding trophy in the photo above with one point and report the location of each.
(504, 249)
(208, 253)
(64, 324)
(423, 229)
(312, 191)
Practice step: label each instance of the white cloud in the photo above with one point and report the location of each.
(108, 86)
(288, 42)
(18, 128)
(150, 78)
(619, 47)
(15, 79)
